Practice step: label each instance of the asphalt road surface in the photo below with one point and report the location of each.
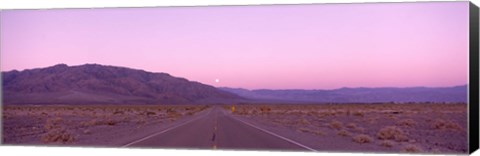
(217, 129)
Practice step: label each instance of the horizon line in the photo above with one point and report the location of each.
(250, 89)
(363, 87)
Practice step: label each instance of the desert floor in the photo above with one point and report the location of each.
(424, 128)
(387, 128)
(88, 125)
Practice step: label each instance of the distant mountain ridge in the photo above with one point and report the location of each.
(100, 84)
(358, 95)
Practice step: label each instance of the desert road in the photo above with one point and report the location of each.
(217, 129)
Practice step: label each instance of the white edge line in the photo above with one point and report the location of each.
(158, 133)
(281, 137)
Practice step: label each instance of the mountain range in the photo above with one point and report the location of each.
(455, 94)
(101, 84)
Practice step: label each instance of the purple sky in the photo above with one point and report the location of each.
(277, 47)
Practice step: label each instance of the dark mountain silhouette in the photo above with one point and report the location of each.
(99, 84)
(358, 95)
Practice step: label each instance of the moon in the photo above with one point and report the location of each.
(217, 80)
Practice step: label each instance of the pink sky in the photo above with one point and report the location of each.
(276, 47)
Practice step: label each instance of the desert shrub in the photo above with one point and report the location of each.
(53, 123)
(118, 113)
(372, 120)
(151, 113)
(174, 114)
(92, 122)
(111, 122)
(344, 133)
(348, 112)
(58, 135)
(303, 130)
(171, 110)
(265, 109)
(392, 133)
(316, 132)
(87, 131)
(312, 113)
(304, 121)
(283, 121)
(442, 124)
(6, 117)
(141, 121)
(358, 113)
(351, 125)
(362, 138)
(203, 108)
(392, 116)
(331, 113)
(387, 143)
(412, 148)
(336, 124)
(407, 123)
(125, 119)
(96, 122)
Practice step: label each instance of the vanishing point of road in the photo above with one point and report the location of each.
(217, 129)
